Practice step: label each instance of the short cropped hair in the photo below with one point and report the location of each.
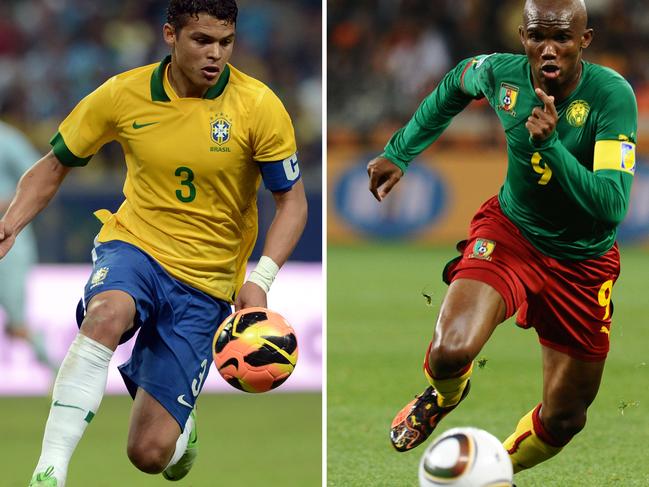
(179, 11)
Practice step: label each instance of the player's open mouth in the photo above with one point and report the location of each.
(550, 71)
(210, 72)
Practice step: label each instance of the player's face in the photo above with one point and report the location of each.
(553, 42)
(200, 50)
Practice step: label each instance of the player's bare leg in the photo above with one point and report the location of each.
(155, 441)
(569, 388)
(470, 312)
(80, 383)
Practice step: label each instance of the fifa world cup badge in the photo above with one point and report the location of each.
(482, 249)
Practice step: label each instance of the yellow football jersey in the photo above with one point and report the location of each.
(192, 172)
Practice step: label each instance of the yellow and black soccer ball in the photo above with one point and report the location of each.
(255, 349)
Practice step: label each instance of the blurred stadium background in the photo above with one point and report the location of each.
(52, 54)
(383, 57)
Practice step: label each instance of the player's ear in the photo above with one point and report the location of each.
(169, 35)
(521, 34)
(586, 38)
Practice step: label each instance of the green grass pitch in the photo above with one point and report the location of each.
(263, 440)
(379, 325)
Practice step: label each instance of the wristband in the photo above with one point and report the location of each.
(264, 274)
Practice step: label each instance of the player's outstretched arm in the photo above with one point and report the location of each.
(281, 238)
(34, 191)
(384, 175)
(457, 89)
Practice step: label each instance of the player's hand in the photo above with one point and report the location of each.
(250, 295)
(543, 121)
(383, 175)
(7, 239)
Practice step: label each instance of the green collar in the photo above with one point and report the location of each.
(157, 87)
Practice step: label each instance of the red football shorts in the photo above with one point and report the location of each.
(568, 302)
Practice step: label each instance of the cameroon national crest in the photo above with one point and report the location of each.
(508, 96)
(220, 130)
(482, 249)
(577, 113)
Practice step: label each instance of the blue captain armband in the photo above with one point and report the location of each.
(280, 175)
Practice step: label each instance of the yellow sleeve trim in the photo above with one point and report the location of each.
(615, 155)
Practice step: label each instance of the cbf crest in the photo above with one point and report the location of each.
(98, 277)
(507, 98)
(220, 129)
(577, 113)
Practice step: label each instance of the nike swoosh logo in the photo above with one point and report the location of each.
(60, 404)
(142, 125)
(181, 400)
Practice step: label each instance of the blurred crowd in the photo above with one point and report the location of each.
(384, 56)
(54, 52)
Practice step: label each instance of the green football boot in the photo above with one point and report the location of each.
(44, 479)
(184, 465)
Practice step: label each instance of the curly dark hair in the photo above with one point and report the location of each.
(179, 11)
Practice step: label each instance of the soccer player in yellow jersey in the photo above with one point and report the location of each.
(198, 136)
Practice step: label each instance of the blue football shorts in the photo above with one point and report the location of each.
(173, 351)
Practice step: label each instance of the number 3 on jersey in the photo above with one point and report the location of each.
(541, 168)
(188, 176)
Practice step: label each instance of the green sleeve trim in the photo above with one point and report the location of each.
(65, 155)
(545, 144)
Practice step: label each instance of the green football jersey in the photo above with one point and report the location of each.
(567, 194)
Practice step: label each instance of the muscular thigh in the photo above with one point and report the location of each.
(151, 423)
(572, 312)
(470, 312)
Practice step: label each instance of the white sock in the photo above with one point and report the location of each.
(78, 390)
(181, 442)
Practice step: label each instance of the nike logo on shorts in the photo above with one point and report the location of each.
(181, 400)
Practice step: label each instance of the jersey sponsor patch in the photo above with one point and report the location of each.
(616, 155)
(577, 113)
(507, 97)
(280, 175)
(482, 249)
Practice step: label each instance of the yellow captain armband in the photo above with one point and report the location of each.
(616, 155)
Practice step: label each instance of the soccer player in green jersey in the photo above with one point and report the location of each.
(544, 247)
(198, 137)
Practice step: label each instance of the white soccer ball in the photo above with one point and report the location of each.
(465, 457)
